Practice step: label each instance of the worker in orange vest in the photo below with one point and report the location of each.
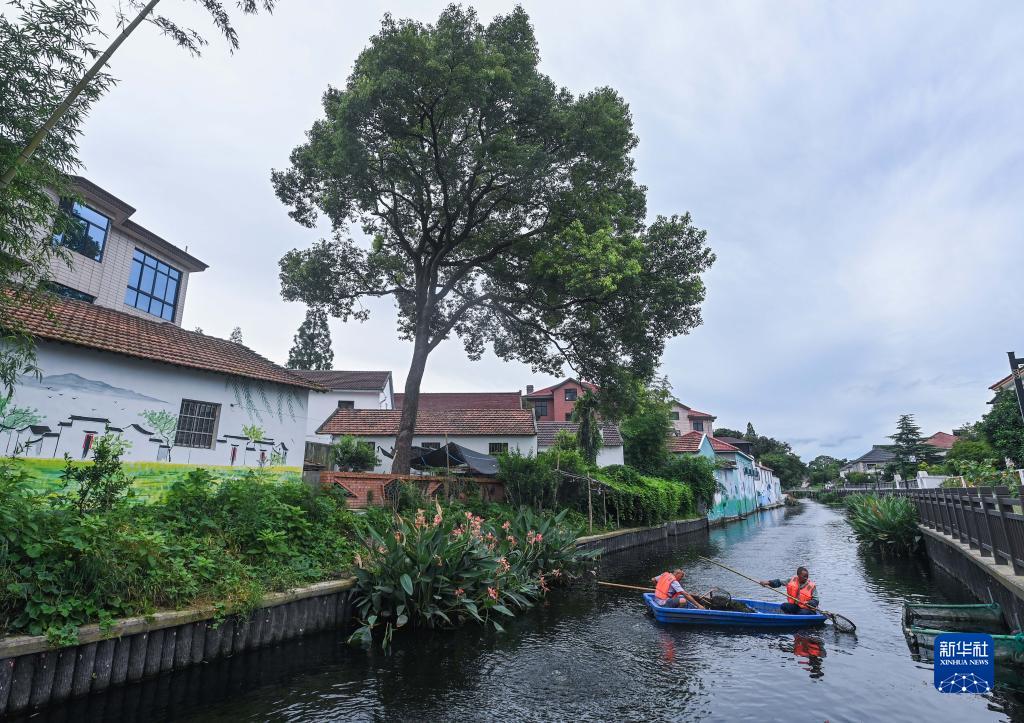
(802, 593)
(669, 592)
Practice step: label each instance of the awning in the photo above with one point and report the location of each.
(454, 455)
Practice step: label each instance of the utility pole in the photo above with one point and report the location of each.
(1015, 366)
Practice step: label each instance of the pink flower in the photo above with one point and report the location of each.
(503, 564)
(538, 537)
(382, 549)
(543, 584)
(493, 593)
(511, 540)
(469, 515)
(437, 519)
(459, 592)
(457, 531)
(421, 520)
(506, 525)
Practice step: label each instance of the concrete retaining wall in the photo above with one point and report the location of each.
(986, 580)
(636, 536)
(33, 675)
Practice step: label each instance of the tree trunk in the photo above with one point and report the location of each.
(410, 404)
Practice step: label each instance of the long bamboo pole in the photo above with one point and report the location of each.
(40, 135)
(625, 587)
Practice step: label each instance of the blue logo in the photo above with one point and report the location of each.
(964, 663)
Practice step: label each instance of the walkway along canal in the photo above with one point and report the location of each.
(594, 654)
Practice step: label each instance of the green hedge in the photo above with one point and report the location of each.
(637, 499)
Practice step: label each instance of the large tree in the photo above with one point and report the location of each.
(909, 447)
(646, 429)
(1003, 428)
(312, 343)
(499, 208)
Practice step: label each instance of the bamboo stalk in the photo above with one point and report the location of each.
(625, 587)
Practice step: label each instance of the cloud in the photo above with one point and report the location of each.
(858, 169)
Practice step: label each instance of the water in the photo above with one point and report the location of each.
(593, 654)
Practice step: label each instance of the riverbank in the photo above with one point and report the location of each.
(594, 654)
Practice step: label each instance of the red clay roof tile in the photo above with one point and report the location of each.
(448, 401)
(468, 422)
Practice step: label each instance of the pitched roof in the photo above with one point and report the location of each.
(942, 440)
(546, 432)
(694, 414)
(446, 401)
(351, 381)
(96, 327)
(1007, 378)
(876, 454)
(689, 442)
(466, 422)
(720, 446)
(549, 391)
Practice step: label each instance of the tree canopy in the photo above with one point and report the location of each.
(498, 208)
(645, 431)
(910, 448)
(1003, 427)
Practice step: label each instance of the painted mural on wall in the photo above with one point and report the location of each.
(152, 479)
(166, 414)
(736, 495)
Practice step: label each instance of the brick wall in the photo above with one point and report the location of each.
(362, 484)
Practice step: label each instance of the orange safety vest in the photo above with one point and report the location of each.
(661, 589)
(797, 594)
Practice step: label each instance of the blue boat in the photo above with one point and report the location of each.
(767, 615)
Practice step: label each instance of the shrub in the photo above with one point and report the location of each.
(887, 524)
(456, 567)
(697, 473)
(100, 484)
(352, 455)
(529, 481)
(638, 499)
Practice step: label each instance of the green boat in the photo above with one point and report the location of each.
(1007, 649)
(978, 618)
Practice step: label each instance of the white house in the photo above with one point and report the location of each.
(767, 487)
(344, 390)
(488, 431)
(177, 396)
(610, 453)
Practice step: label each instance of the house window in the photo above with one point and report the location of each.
(68, 293)
(87, 232)
(570, 395)
(540, 409)
(346, 404)
(674, 416)
(496, 448)
(568, 416)
(152, 286)
(197, 424)
(698, 426)
(431, 445)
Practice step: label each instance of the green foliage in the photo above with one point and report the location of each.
(726, 432)
(352, 455)
(787, 467)
(1003, 427)
(565, 441)
(531, 481)
(502, 209)
(638, 499)
(697, 473)
(457, 567)
(887, 524)
(910, 448)
(312, 342)
(824, 468)
(830, 498)
(645, 432)
(966, 450)
(209, 542)
(410, 497)
(981, 474)
(99, 485)
(254, 432)
(588, 435)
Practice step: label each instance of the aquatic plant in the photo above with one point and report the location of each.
(442, 568)
(887, 524)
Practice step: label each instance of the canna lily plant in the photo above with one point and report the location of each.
(450, 568)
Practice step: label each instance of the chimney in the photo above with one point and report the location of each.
(529, 389)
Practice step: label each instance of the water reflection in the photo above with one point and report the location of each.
(809, 651)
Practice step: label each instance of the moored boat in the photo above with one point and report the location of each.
(765, 615)
(1006, 648)
(974, 618)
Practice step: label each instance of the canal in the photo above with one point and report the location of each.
(593, 653)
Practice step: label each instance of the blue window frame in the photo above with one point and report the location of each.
(88, 232)
(153, 286)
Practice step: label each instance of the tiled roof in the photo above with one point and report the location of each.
(694, 414)
(350, 381)
(469, 422)
(96, 327)
(446, 401)
(1007, 378)
(549, 391)
(942, 440)
(689, 442)
(877, 454)
(546, 432)
(719, 446)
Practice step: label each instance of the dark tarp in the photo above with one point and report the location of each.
(454, 455)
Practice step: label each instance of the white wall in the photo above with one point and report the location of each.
(323, 404)
(94, 386)
(525, 445)
(605, 457)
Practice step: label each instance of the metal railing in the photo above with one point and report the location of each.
(987, 519)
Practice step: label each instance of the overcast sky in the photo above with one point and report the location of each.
(858, 169)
